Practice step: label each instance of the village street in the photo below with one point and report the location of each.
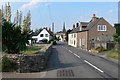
(71, 62)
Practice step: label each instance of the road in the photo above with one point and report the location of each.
(70, 62)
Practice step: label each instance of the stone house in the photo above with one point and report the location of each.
(90, 35)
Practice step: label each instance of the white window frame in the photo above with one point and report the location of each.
(102, 28)
(46, 35)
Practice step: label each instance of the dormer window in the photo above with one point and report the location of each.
(102, 28)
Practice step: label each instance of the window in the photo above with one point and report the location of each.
(74, 35)
(77, 24)
(46, 35)
(41, 35)
(74, 42)
(102, 28)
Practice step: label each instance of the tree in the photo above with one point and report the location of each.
(116, 36)
(68, 31)
(13, 39)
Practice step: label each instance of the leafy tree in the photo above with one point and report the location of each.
(117, 36)
(68, 31)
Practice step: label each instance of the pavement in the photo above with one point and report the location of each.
(70, 62)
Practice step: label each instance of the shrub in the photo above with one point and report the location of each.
(13, 40)
(100, 49)
(54, 43)
(49, 42)
(8, 64)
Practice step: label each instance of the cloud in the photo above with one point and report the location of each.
(31, 4)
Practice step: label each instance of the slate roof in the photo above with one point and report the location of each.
(87, 24)
(84, 23)
(92, 23)
(75, 30)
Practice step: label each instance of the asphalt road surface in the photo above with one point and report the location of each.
(70, 62)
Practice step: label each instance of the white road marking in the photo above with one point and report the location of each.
(70, 51)
(76, 55)
(86, 61)
(94, 66)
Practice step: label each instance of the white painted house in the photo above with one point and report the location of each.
(43, 34)
(72, 39)
(72, 36)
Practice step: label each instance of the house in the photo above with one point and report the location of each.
(90, 35)
(72, 36)
(62, 34)
(42, 34)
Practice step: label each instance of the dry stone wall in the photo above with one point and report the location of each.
(32, 63)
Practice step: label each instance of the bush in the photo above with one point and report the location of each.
(49, 42)
(13, 40)
(54, 43)
(8, 64)
(100, 49)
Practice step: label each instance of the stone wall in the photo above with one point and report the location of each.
(32, 63)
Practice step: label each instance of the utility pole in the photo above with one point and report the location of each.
(53, 27)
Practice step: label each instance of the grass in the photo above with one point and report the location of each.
(114, 54)
(31, 50)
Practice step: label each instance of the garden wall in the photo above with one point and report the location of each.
(32, 63)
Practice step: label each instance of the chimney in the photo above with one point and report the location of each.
(94, 17)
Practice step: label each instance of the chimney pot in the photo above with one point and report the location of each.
(93, 15)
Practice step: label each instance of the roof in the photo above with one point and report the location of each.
(92, 23)
(84, 23)
(75, 30)
(37, 32)
(87, 24)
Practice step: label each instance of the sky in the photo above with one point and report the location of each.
(44, 13)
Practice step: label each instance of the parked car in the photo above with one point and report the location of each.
(40, 42)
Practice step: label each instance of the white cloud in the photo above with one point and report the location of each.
(31, 4)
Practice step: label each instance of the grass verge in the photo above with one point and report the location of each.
(114, 54)
(31, 50)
